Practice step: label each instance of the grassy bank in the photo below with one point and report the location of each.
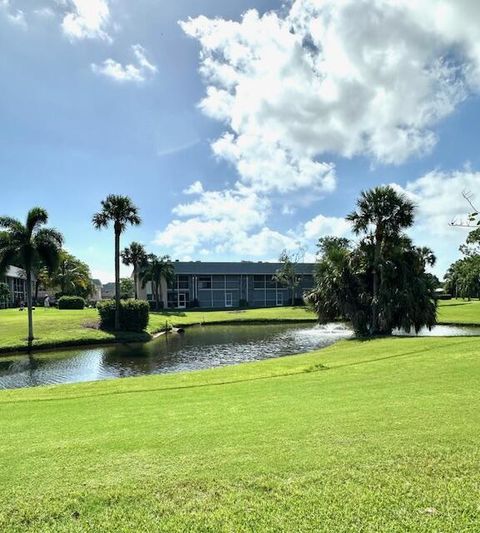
(372, 436)
(54, 328)
(459, 312)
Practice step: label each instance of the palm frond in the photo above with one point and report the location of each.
(36, 217)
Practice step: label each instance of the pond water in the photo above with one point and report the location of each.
(198, 348)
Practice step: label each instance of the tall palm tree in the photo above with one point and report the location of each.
(120, 211)
(381, 213)
(156, 270)
(136, 256)
(26, 245)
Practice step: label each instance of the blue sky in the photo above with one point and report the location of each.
(102, 97)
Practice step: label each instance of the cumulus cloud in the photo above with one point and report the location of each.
(87, 19)
(138, 72)
(349, 77)
(235, 222)
(439, 200)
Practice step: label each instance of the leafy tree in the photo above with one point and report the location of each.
(4, 294)
(462, 279)
(72, 277)
(156, 270)
(26, 244)
(136, 256)
(127, 288)
(381, 283)
(381, 214)
(287, 275)
(120, 211)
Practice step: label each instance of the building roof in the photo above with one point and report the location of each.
(15, 272)
(242, 267)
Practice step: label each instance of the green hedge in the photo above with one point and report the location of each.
(134, 314)
(71, 302)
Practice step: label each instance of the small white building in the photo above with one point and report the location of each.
(16, 280)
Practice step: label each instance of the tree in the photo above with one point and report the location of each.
(127, 288)
(462, 279)
(120, 211)
(287, 275)
(382, 282)
(156, 270)
(381, 214)
(72, 277)
(26, 244)
(136, 256)
(4, 294)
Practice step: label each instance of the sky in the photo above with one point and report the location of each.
(238, 128)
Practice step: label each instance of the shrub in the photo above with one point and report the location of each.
(71, 302)
(134, 314)
(243, 303)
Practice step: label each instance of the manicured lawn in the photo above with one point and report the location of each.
(459, 311)
(362, 436)
(57, 328)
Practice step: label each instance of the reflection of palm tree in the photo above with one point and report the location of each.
(381, 213)
(27, 245)
(136, 256)
(158, 269)
(121, 211)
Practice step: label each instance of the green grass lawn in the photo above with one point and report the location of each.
(61, 328)
(362, 436)
(459, 312)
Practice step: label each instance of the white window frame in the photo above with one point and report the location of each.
(279, 301)
(230, 297)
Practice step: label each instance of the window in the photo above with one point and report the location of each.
(258, 282)
(182, 282)
(271, 283)
(205, 282)
(228, 299)
(18, 289)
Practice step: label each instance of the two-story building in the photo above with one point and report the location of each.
(229, 285)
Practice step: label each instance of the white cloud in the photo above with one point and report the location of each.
(139, 72)
(194, 188)
(344, 77)
(15, 16)
(87, 19)
(439, 200)
(234, 223)
(321, 226)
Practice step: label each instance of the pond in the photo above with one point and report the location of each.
(198, 348)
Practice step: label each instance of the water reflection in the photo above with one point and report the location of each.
(197, 348)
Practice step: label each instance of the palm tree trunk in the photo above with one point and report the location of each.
(117, 280)
(29, 305)
(157, 295)
(376, 284)
(135, 280)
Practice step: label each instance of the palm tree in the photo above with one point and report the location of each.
(136, 256)
(27, 244)
(121, 211)
(156, 270)
(72, 276)
(381, 213)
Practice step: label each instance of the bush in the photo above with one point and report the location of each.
(71, 302)
(134, 314)
(243, 303)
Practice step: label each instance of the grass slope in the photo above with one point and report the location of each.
(459, 312)
(372, 436)
(61, 328)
